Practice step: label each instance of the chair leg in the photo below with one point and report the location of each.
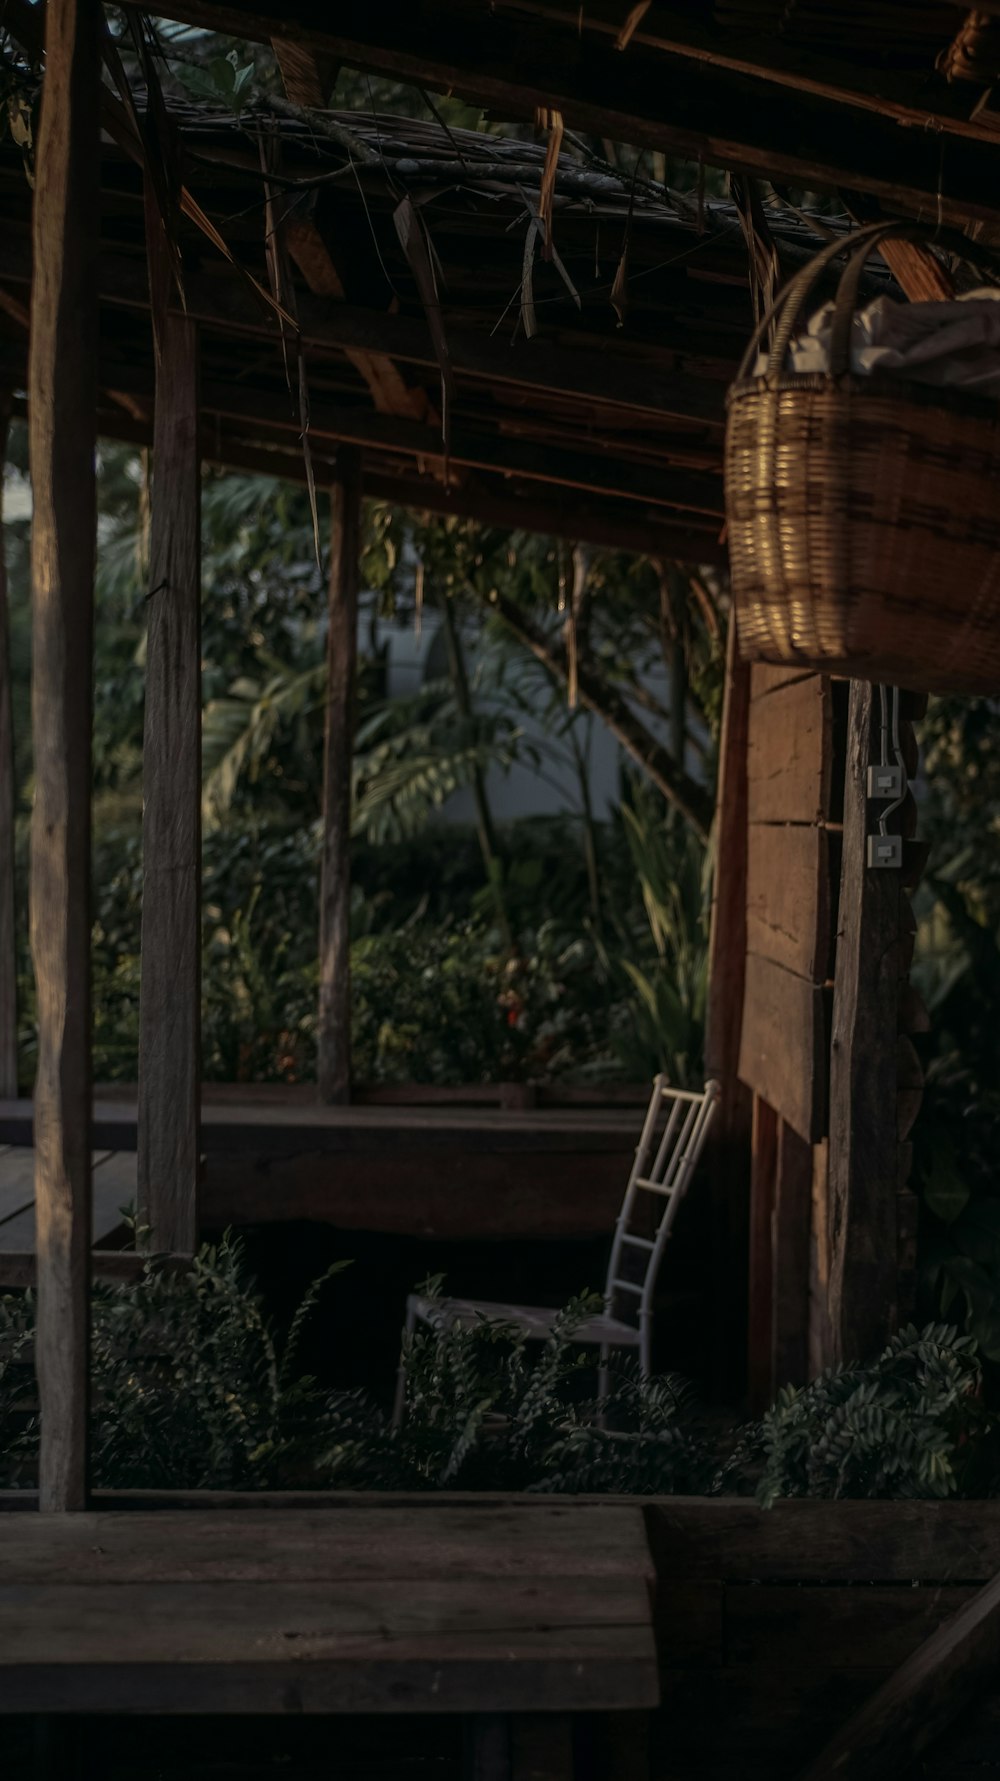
(399, 1402)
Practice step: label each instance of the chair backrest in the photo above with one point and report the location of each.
(675, 1128)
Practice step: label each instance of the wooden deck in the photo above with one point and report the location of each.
(114, 1187)
(422, 1608)
(446, 1171)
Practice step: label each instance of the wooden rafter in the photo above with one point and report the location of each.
(609, 468)
(389, 391)
(586, 373)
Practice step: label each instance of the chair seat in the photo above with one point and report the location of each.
(535, 1320)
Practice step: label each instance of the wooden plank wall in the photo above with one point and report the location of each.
(829, 945)
(794, 790)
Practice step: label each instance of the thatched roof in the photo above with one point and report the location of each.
(567, 374)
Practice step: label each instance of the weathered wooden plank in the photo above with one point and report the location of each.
(728, 1152)
(334, 1025)
(112, 1189)
(504, 1645)
(789, 753)
(115, 1187)
(62, 405)
(394, 1542)
(863, 1070)
(20, 1267)
(820, 1347)
(766, 677)
(921, 1700)
(467, 1192)
(790, 1237)
(764, 1148)
(783, 1045)
(788, 897)
(8, 937)
(170, 992)
(17, 1182)
(17, 1192)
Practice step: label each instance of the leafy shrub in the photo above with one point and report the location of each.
(193, 1390)
(487, 1410)
(190, 1389)
(899, 1427)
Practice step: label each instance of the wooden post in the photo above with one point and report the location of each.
(334, 1034)
(170, 994)
(62, 403)
(8, 934)
(760, 1319)
(791, 1232)
(729, 1137)
(863, 1145)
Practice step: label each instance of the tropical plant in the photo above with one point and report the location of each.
(190, 1386)
(910, 1424)
(665, 1017)
(487, 1409)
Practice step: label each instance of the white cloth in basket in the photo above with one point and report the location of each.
(955, 344)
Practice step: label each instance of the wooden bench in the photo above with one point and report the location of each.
(514, 1616)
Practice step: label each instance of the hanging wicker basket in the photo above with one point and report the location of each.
(863, 512)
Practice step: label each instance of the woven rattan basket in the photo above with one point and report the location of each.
(863, 512)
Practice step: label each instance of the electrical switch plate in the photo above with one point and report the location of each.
(885, 850)
(885, 782)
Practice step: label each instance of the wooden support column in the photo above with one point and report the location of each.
(334, 1033)
(170, 994)
(863, 1167)
(791, 1231)
(62, 406)
(8, 934)
(729, 1135)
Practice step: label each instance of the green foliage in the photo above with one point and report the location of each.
(193, 1389)
(899, 1427)
(957, 968)
(190, 1387)
(222, 80)
(664, 1027)
(487, 1410)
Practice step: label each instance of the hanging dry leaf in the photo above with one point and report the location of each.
(419, 250)
(631, 25)
(552, 121)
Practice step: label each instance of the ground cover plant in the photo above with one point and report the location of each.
(193, 1388)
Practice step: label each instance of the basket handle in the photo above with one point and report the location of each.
(846, 299)
(789, 303)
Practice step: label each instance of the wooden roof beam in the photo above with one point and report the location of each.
(666, 99)
(609, 472)
(618, 381)
(389, 391)
(308, 77)
(559, 514)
